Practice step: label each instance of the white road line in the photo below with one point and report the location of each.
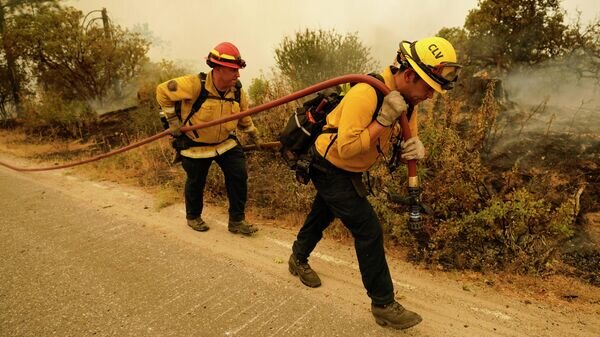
(335, 260)
(275, 314)
(223, 313)
(324, 257)
(294, 323)
(496, 314)
(231, 333)
(404, 285)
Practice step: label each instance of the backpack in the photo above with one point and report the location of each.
(202, 97)
(306, 124)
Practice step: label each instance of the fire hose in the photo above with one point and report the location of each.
(414, 191)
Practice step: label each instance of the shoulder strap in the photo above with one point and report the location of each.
(199, 101)
(237, 96)
(201, 97)
(380, 99)
(204, 95)
(238, 91)
(379, 104)
(379, 95)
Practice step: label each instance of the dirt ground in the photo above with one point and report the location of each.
(452, 304)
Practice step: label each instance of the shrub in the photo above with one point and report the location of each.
(50, 116)
(519, 232)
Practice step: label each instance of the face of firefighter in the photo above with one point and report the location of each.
(413, 88)
(225, 77)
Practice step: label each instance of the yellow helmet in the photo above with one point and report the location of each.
(434, 59)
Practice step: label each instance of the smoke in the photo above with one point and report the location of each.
(556, 90)
(551, 116)
(118, 97)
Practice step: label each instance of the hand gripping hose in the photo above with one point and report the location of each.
(414, 189)
(353, 78)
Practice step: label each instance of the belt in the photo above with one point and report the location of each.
(323, 165)
(209, 151)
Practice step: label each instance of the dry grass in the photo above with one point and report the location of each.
(453, 176)
(273, 202)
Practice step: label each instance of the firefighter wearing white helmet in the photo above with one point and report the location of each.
(193, 99)
(361, 135)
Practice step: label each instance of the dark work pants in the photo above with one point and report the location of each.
(337, 198)
(233, 165)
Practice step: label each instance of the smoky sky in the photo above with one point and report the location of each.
(185, 30)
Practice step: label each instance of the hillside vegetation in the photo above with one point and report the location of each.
(511, 178)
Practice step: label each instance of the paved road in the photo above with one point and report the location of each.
(84, 258)
(71, 268)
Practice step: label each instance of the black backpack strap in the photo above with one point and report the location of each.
(380, 99)
(199, 101)
(201, 97)
(379, 95)
(330, 144)
(204, 95)
(238, 91)
(379, 104)
(178, 109)
(237, 94)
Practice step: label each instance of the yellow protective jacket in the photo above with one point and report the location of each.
(187, 89)
(351, 151)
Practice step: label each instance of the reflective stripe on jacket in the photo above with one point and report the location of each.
(186, 89)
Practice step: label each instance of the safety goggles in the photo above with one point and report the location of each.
(227, 58)
(445, 74)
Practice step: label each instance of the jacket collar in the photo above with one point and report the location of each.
(210, 86)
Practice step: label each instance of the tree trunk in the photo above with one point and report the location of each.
(10, 63)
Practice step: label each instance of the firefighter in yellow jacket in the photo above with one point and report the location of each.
(222, 96)
(422, 68)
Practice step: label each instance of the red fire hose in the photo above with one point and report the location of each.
(412, 166)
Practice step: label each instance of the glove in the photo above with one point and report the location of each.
(253, 136)
(393, 106)
(412, 149)
(174, 122)
(175, 126)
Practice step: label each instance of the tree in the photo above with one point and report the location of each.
(459, 39)
(584, 42)
(10, 87)
(74, 61)
(313, 56)
(258, 90)
(505, 33)
(500, 36)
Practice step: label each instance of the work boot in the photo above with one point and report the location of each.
(241, 227)
(198, 224)
(304, 272)
(395, 316)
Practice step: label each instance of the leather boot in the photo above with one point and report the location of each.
(242, 227)
(198, 224)
(304, 272)
(395, 316)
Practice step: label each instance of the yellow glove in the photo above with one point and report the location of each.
(412, 149)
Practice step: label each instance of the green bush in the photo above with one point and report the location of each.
(482, 220)
(519, 232)
(49, 116)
